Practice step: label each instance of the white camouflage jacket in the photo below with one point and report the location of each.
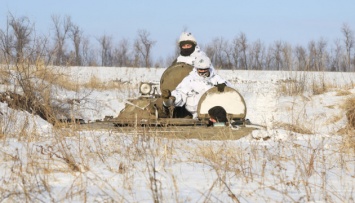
(192, 57)
(192, 87)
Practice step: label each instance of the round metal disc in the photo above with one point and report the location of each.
(173, 75)
(230, 99)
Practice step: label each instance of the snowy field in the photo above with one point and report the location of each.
(308, 156)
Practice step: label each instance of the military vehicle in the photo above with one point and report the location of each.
(148, 109)
(146, 115)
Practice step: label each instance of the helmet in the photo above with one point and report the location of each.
(203, 65)
(187, 36)
(202, 62)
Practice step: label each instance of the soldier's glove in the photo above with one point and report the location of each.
(169, 102)
(165, 94)
(220, 87)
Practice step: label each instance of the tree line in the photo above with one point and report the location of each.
(67, 45)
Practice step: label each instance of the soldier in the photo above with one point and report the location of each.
(218, 116)
(194, 85)
(189, 49)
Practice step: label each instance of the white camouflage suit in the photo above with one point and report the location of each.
(190, 59)
(192, 87)
(187, 36)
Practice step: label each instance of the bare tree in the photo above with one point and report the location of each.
(89, 56)
(61, 31)
(213, 52)
(40, 51)
(75, 34)
(22, 30)
(220, 53)
(239, 52)
(287, 57)
(301, 58)
(242, 41)
(322, 55)
(257, 53)
(349, 43)
(312, 57)
(236, 53)
(28, 52)
(226, 50)
(106, 50)
(269, 65)
(210, 51)
(143, 47)
(277, 55)
(6, 43)
(121, 54)
(336, 56)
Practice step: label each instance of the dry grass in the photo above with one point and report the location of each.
(295, 87)
(342, 92)
(37, 84)
(348, 144)
(349, 130)
(301, 82)
(4, 76)
(320, 88)
(56, 76)
(65, 82)
(112, 163)
(256, 164)
(297, 128)
(335, 119)
(350, 115)
(291, 87)
(97, 84)
(349, 108)
(349, 103)
(105, 167)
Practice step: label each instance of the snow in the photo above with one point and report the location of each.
(42, 163)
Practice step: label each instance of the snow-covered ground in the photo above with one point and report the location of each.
(306, 159)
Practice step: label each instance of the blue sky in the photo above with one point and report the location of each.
(296, 22)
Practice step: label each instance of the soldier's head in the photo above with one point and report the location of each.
(203, 65)
(217, 114)
(187, 44)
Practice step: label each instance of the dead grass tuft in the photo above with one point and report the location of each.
(349, 139)
(96, 83)
(343, 93)
(291, 87)
(294, 128)
(350, 115)
(319, 88)
(4, 77)
(349, 103)
(349, 130)
(64, 82)
(302, 82)
(55, 76)
(335, 118)
(349, 107)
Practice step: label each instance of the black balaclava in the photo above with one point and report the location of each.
(189, 51)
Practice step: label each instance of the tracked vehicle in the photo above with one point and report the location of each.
(147, 114)
(148, 109)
